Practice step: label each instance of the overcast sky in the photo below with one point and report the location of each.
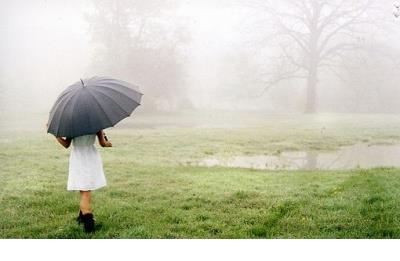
(45, 46)
(50, 40)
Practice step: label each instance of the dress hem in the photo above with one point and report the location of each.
(86, 189)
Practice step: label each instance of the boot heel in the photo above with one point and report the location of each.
(79, 219)
(88, 222)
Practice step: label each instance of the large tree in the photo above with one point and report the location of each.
(312, 35)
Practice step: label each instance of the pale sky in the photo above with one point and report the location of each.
(45, 46)
(49, 41)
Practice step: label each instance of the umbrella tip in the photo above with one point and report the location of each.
(82, 83)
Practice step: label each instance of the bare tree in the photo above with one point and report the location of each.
(313, 35)
(396, 11)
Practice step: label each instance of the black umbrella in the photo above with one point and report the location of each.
(91, 105)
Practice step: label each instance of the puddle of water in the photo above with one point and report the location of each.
(357, 156)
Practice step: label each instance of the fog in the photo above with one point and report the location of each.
(216, 55)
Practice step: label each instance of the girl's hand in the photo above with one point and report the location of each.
(106, 142)
(103, 140)
(65, 142)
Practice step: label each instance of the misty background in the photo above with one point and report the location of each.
(304, 56)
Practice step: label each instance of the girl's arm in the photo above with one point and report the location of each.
(65, 142)
(102, 140)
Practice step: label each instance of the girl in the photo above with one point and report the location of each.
(85, 172)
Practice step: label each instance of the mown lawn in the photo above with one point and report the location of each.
(153, 193)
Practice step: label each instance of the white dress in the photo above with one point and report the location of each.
(85, 165)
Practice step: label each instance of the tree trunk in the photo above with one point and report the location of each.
(313, 59)
(311, 99)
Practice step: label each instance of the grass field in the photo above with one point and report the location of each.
(153, 193)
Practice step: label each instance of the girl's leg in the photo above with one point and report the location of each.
(87, 216)
(85, 202)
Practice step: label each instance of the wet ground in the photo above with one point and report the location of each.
(350, 157)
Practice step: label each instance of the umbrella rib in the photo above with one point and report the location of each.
(112, 89)
(66, 103)
(98, 103)
(122, 84)
(59, 100)
(70, 89)
(128, 113)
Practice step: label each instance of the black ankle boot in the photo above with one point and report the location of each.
(88, 222)
(79, 219)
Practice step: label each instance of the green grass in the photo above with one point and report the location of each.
(152, 193)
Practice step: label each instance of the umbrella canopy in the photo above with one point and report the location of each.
(91, 105)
